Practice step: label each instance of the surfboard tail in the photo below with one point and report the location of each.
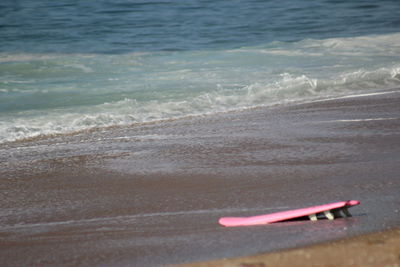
(352, 202)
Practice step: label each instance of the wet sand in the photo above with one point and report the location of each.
(151, 194)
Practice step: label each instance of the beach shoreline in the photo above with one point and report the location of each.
(128, 129)
(151, 195)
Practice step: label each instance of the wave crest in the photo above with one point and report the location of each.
(287, 88)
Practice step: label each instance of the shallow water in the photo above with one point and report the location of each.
(68, 66)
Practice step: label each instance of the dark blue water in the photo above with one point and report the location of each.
(122, 26)
(70, 65)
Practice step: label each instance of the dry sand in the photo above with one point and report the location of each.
(379, 249)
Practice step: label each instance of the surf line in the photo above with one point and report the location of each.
(362, 120)
(368, 94)
(350, 96)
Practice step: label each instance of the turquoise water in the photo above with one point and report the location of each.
(72, 65)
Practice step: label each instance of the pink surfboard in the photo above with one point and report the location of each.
(330, 211)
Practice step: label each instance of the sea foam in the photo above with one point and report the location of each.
(53, 94)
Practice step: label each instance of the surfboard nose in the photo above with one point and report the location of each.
(352, 202)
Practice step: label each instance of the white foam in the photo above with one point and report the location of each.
(288, 88)
(352, 96)
(363, 120)
(369, 94)
(361, 46)
(82, 67)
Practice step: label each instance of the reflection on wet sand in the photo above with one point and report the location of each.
(152, 194)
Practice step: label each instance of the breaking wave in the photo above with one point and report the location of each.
(41, 95)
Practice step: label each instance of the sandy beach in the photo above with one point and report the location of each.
(151, 194)
(378, 249)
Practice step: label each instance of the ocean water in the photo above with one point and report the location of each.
(67, 66)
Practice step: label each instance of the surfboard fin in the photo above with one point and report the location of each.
(313, 217)
(328, 214)
(346, 212)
